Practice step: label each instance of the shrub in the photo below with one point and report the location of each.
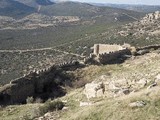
(51, 106)
(29, 100)
(38, 100)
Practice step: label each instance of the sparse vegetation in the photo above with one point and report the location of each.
(29, 100)
(51, 106)
(26, 50)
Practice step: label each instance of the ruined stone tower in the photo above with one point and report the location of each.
(96, 49)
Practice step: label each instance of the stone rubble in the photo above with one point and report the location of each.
(137, 104)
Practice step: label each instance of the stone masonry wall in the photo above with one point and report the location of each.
(40, 83)
(112, 56)
(106, 48)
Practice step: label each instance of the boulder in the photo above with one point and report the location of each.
(85, 104)
(158, 77)
(93, 90)
(142, 83)
(137, 104)
(152, 85)
(117, 85)
(123, 92)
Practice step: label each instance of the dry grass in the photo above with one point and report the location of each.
(118, 109)
(146, 66)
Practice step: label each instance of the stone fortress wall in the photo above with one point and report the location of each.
(155, 47)
(46, 82)
(41, 83)
(105, 53)
(106, 48)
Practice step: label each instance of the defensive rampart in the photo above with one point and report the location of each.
(43, 84)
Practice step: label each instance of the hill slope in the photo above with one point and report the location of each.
(14, 9)
(81, 9)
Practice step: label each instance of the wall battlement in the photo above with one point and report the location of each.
(112, 56)
(105, 53)
(35, 83)
(106, 48)
(155, 47)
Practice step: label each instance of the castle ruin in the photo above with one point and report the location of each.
(106, 53)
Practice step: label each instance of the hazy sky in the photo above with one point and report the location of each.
(147, 2)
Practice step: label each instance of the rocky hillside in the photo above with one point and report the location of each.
(147, 26)
(130, 87)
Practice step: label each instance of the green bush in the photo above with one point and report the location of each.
(29, 100)
(51, 106)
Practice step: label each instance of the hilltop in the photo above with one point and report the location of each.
(35, 3)
(82, 10)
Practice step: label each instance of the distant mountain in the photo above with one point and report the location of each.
(14, 9)
(35, 3)
(138, 8)
(84, 10)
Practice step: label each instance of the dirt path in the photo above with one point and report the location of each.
(52, 48)
(130, 16)
(27, 50)
(69, 53)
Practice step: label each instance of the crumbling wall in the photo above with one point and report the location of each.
(112, 56)
(42, 83)
(17, 90)
(106, 48)
(155, 47)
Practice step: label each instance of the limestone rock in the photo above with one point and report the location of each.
(93, 90)
(113, 87)
(123, 92)
(152, 85)
(65, 108)
(85, 104)
(158, 77)
(137, 104)
(49, 116)
(117, 85)
(142, 83)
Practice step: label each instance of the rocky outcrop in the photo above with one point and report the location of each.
(137, 104)
(93, 90)
(104, 86)
(148, 26)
